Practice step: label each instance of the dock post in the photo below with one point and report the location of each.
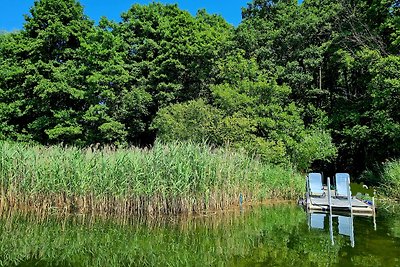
(373, 211)
(331, 227)
(373, 205)
(307, 192)
(329, 194)
(352, 239)
(330, 210)
(349, 195)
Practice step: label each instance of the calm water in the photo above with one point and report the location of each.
(279, 235)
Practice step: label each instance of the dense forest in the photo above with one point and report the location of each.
(313, 85)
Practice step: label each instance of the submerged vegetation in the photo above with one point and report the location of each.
(166, 179)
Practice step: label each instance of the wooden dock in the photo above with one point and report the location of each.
(315, 203)
(327, 199)
(322, 200)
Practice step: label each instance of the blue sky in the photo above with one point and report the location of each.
(12, 11)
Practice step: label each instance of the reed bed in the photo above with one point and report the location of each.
(166, 179)
(390, 185)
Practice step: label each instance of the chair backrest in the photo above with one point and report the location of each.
(315, 183)
(342, 181)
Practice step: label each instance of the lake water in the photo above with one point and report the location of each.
(273, 235)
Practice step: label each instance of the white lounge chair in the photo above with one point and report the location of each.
(315, 184)
(342, 182)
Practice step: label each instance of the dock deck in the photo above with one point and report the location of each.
(322, 203)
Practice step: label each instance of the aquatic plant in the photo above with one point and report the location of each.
(168, 178)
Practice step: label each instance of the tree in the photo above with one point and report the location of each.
(50, 85)
(250, 111)
(325, 52)
(12, 101)
(172, 52)
(370, 124)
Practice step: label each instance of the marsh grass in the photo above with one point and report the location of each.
(166, 179)
(391, 180)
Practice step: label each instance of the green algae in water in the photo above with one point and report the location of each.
(263, 236)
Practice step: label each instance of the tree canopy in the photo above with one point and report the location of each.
(301, 84)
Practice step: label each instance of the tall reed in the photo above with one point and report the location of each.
(391, 180)
(168, 178)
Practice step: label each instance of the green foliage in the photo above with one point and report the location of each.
(248, 111)
(171, 51)
(192, 121)
(391, 179)
(288, 76)
(333, 54)
(46, 72)
(370, 122)
(290, 40)
(316, 145)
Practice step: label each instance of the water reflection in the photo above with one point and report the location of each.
(262, 236)
(343, 224)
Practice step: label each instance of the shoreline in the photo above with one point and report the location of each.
(140, 206)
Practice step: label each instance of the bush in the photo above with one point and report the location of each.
(199, 122)
(390, 184)
(191, 121)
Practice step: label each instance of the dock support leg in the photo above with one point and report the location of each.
(329, 194)
(352, 240)
(373, 211)
(307, 193)
(349, 195)
(330, 210)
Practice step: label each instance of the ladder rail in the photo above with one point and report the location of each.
(349, 195)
